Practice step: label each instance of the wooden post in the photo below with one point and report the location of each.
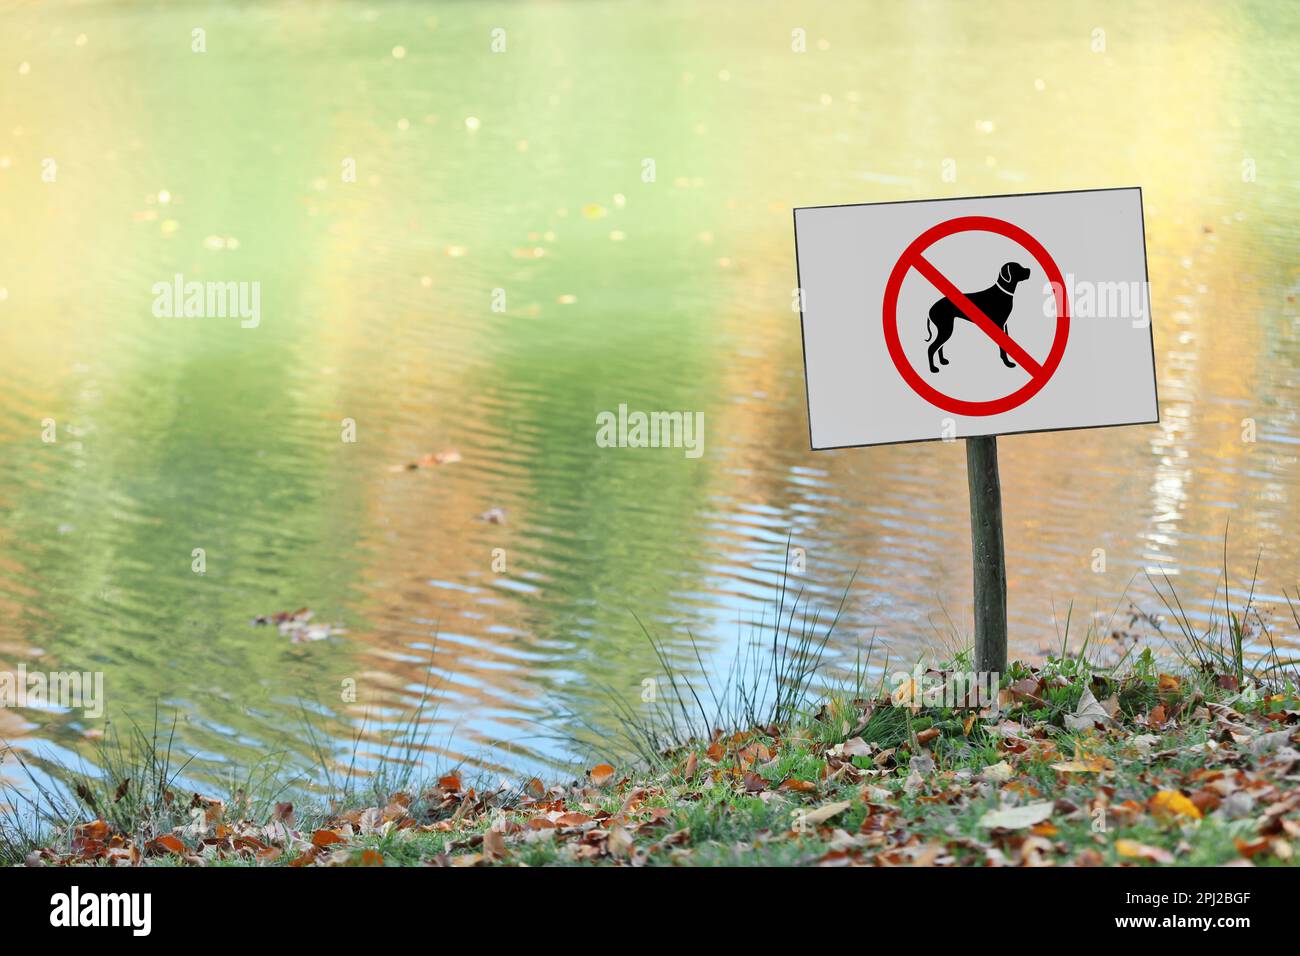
(987, 555)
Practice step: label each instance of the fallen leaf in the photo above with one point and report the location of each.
(1094, 765)
(914, 783)
(1018, 818)
(1087, 714)
(692, 766)
(619, 842)
(165, 844)
(445, 457)
(1144, 742)
(921, 763)
(822, 813)
(494, 845)
(323, 838)
(1026, 689)
(1133, 850)
(1271, 741)
(1171, 803)
(999, 772)
(296, 626)
(1250, 850)
(906, 694)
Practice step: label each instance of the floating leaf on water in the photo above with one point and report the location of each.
(295, 626)
(447, 456)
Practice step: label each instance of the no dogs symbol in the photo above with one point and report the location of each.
(988, 310)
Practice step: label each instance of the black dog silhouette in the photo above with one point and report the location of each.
(995, 302)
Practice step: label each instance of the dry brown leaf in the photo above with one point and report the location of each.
(494, 845)
(1248, 849)
(323, 838)
(619, 842)
(927, 735)
(1133, 850)
(166, 844)
(1087, 714)
(692, 766)
(823, 813)
(1018, 818)
(856, 747)
(1092, 765)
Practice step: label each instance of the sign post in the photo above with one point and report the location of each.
(970, 318)
(987, 554)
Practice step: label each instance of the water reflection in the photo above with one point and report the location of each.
(525, 176)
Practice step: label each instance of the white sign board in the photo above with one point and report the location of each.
(949, 318)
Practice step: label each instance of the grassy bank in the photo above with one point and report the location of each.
(1194, 765)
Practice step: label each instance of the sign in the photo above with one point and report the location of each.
(993, 315)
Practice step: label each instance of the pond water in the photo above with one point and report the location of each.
(465, 250)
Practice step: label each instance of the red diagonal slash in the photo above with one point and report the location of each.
(989, 328)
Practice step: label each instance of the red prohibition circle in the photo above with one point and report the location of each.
(890, 314)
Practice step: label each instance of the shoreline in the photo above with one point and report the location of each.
(1074, 766)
